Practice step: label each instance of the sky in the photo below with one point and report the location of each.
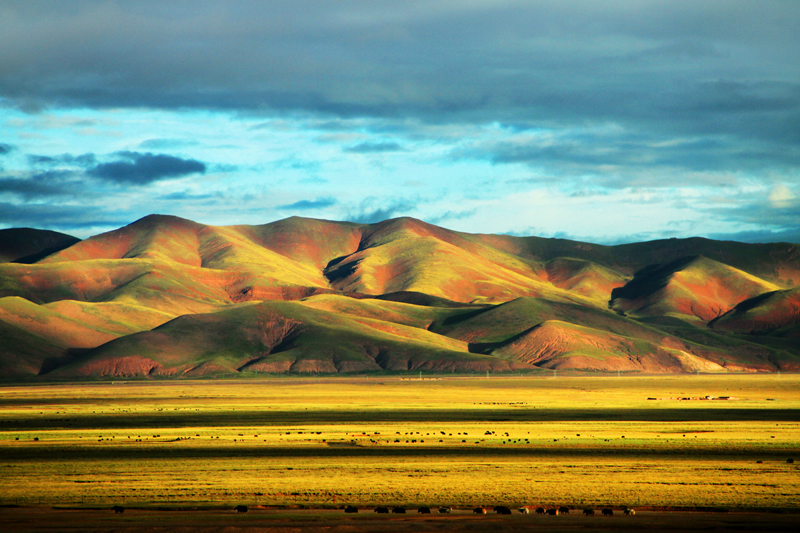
(602, 121)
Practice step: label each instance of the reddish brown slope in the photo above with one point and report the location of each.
(763, 314)
(72, 324)
(279, 337)
(306, 240)
(409, 255)
(154, 236)
(180, 267)
(694, 288)
(778, 263)
(560, 345)
(207, 263)
(584, 277)
(24, 354)
(168, 287)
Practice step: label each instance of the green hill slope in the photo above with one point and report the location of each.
(169, 296)
(278, 337)
(691, 288)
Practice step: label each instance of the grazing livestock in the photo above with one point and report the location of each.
(588, 512)
(608, 512)
(240, 508)
(479, 510)
(350, 509)
(563, 510)
(502, 509)
(445, 510)
(790, 461)
(629, 512)
(524, 510)
(540, 510)
(118, 509)
(424, 510)
(399, 510)
(382, 510)
(552, 512)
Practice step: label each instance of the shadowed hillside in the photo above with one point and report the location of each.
(26, 245)
(173, 297)
(690, 288)
(279, 337)
(775, 312)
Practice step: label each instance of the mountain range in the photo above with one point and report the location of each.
(169, 297)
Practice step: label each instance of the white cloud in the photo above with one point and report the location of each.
(781, 197)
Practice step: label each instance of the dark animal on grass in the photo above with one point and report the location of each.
(350, 509)
(588, 512)
(118, 509)
(563, 510)
(608, 512)
(540, 510)
(399, 510)
(424, 510)
(552, 512)
(790, 461)
(502, 509)
(524, 510)
(240, 508)
(382, 510)
(444, 510)
(629, 512)
(479, 510)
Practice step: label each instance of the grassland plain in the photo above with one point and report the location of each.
(580, 441)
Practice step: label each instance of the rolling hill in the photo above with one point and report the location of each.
(28, 245)
(692, 288)
(776, 313)
(165, 296)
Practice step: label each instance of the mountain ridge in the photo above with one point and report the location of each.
(396, 295)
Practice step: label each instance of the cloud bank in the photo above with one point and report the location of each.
(694, 104)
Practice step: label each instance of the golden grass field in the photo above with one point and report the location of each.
(579, 441)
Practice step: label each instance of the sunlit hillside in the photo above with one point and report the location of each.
(165, 296)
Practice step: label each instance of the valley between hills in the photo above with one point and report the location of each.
(168, 297)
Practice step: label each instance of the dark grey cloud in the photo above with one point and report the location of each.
(68, 218)
(304, 205)
(449, 216)
(83, 160)
(544, 60)
(42, 185)
(166, 144)
(683, 92)
(681, 69)
(54, 178)
(143, 168)
(587, 193)
(296, 163)
(762, 214)
(776, 217)
(374, 148)
(224, 167)
(645, 157)
(6, 148)
(371, 210)
(764, 236)
(190, 197)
